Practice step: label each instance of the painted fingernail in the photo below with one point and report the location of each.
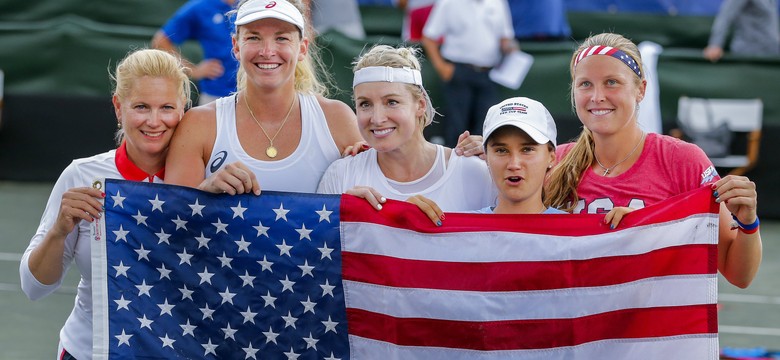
(365, 146)
(611, 226)
(104, 208)
(717, 200)
(441, 217)
(382, 199)
(715, 194)
(438, 223)
(379, 206)
(713, 186)
(102, 194)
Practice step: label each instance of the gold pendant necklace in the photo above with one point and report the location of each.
(270, 150)
(607, 170)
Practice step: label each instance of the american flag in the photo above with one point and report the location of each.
(271, 281)
(191, 275)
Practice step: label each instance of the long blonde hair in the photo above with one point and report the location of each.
(311, 76)
(153, 63)
(561, 187)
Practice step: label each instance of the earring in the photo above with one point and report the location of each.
(119, 125)
(549, 166)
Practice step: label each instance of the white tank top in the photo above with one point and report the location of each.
(299, 172)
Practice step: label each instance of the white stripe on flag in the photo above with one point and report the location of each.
(501, 246)
(523, 305)
(667, 348)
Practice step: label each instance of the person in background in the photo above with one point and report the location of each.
(393, 108)
(278, 130)
(476, 34)
(614, 163)
(754, 26)
(535, 20)
(206, 22)
(151, 93)
(340, 15)
(416, 13)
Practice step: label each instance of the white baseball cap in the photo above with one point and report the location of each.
(254, 10)
(524, 113)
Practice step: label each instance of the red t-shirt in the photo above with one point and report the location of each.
(666, 167)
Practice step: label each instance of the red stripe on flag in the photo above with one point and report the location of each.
(534, 334)
(400, 214)
(527, 275)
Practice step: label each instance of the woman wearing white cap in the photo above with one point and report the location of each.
(393, 108)
(614, 163)
(519, 141)
(520, 149)
(278, 130)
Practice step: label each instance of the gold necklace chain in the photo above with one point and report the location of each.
(607, 170)
(270, 150)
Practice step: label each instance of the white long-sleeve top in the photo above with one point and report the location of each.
(76, 334)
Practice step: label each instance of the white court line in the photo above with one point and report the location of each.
(748, 330)
(10, 256)
(752, 299)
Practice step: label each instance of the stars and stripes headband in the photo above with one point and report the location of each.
(404, 75)
(610, 51)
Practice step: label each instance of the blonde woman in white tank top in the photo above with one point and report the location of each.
(278, 104)
(392, 109)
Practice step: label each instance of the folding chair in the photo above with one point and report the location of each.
(712, 124)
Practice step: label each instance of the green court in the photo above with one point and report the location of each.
(29, 330)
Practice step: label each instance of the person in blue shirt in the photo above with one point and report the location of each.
(206, 22)
(535, 20)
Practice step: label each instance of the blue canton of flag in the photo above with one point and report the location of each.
(183, 274)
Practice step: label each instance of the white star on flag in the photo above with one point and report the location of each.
(121, 234)
(163, 237)
(196, 208)
(118, 200)
(143, 253)
(202, 241)
(140, 219)
(165, 308)
(167, 341)
(304, 232)
(209, 348)
(270, 336)
(187, 329)
(124, 338)
(281, 212)
(157, 203)
(243, 245)
(324, 214)
(238, 211)
(121, 269)
(145, 323)
(221, 227)
(225, 261)
(144, 289)
(121, 303)
(180, 224)
(261, 230)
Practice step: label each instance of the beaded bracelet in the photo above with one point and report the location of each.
(746, 228)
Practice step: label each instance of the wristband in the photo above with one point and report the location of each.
(747, 228)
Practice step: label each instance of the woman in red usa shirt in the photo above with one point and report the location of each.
(615, 164)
